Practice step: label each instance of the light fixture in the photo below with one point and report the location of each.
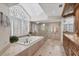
(37, 22)
(60, 5)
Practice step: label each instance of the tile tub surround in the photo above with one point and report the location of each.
(19, 49)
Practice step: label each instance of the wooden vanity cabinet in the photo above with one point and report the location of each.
(77, 20)
(70, 47)
(66, 45)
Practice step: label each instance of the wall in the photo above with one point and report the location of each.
(4, 38)
(4, 9)
(4, 31)
(48, 30)
(56, 25)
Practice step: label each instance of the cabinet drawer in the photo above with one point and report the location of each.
(66, 41)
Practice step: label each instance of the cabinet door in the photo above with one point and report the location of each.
(77, 20)
(66, 45)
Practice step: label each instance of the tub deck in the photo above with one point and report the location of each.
(20, 49)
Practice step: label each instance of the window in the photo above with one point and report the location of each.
(19, 21)
(69, 24)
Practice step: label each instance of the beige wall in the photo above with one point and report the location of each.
(4, 9)
(4, 37)
(4, 31)
(51, 30)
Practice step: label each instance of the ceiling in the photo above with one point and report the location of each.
(34, 10)
(10, 4)
(52, 9)
(41, 10)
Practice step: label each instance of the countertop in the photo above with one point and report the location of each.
(73, 37)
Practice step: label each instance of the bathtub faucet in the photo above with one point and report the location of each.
(27, 40)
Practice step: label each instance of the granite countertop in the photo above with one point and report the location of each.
(73, 37)
(16, 48)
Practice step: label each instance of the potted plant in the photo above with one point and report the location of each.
(13, 39)
(30, 33)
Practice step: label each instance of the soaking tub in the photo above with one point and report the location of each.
(29, 40)
(26, 46)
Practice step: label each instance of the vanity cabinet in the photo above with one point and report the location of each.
(70, 46)
(77, 19)
(66, 45)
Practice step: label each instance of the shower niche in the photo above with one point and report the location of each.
(46, 29)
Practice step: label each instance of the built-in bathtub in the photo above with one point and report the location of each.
(23, 48)
(27, 40)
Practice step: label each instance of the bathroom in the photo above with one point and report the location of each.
(39, 29)
(31, 33)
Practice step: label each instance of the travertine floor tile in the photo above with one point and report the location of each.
(51, 47)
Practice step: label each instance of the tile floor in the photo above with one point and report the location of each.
(51, 47)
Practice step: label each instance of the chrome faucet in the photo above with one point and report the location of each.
(27, 40)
